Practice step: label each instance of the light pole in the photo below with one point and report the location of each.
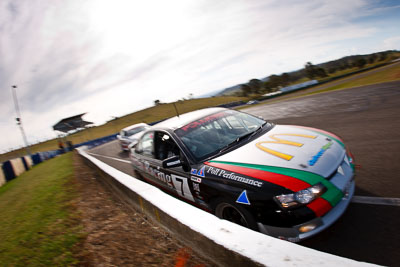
(18, 118)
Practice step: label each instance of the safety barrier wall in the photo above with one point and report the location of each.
(2, 177)
(14, 167)
(18, 166)
(226, 243)
(28, 161)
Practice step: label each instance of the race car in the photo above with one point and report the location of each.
(130, 135)
(290, 182)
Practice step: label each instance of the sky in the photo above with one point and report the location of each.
(111, 58)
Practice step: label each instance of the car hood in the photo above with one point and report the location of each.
(293, 147)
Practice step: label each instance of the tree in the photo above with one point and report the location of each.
(274, 81)
(246, 89)
(310, 70)
(285, 79)
(313, 71)
(157, 102)
(255, 85)
(382, 56)
(331, 70)
(320, 72)
(372, 58)
(360, 63)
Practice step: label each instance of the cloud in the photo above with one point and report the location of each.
(109, 58)
(392, 43)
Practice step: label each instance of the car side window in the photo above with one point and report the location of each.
(146, 145)
(165, 147)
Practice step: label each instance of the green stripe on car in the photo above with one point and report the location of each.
(333, 195)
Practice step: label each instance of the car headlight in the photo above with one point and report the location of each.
(304, 196)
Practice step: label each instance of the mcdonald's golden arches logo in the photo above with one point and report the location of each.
(281, 141)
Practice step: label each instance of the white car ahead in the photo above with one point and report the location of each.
(131, 134)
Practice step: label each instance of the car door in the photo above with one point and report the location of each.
(144, 160)
(166, 148)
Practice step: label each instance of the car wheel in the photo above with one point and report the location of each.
(232, 212)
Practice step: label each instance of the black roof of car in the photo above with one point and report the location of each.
(182, 120)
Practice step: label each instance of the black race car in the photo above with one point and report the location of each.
(289, 182)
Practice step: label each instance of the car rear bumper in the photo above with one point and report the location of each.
(124, 144)
(294, 234)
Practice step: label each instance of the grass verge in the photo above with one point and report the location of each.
(386, 75)
(38, 225)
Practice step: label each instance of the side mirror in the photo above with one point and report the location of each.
(171, 162)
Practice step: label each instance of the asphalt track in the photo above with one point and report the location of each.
(368, 120)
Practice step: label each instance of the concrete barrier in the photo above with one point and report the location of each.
(28, 161)
(18, 166)
(36, 159)
(225, 243)
(8, 170)
(2, 177)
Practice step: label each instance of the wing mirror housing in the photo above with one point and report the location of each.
(171, 162)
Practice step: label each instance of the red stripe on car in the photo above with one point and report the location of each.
(320, 206)
(288, 182)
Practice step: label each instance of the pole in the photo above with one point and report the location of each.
(177, 113)
(18, 119)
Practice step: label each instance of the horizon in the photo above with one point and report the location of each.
(112, 59)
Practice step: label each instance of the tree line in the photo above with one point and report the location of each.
(275, 82)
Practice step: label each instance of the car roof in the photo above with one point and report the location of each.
(135, 126)
(186, 118)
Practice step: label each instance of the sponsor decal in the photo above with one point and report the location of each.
(281, 141)
(201, 172)
(233, 176)
(173, 162)
(165, 178)
(193, 171)
(243, 199)
(196, 179)
(176, 183)
(325, 133)
(340, 170)
(291, 179)
(316, 157)
(198, 123)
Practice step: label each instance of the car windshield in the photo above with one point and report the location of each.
(209, 135)
(133, 131)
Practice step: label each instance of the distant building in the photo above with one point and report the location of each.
(71, 123)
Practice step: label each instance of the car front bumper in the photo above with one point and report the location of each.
(294, 234)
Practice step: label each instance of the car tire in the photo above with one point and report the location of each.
(230, 211)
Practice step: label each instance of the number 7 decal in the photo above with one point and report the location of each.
(181, 186)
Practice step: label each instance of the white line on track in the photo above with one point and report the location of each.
(356, 199)
(107, 157)
(387, 201)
